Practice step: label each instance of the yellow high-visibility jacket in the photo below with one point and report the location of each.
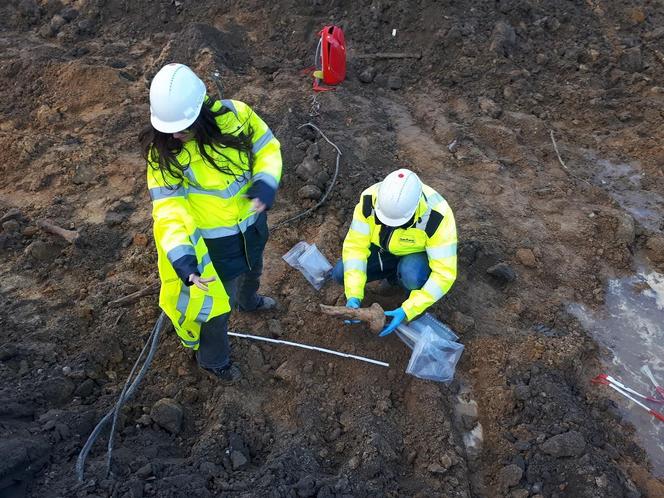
(187, 307)
(433, 231)
(207, 204)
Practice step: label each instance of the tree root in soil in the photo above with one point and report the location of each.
(374, 315)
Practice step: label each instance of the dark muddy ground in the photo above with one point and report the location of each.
(472, 116)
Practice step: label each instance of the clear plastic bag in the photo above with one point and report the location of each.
(435, 352)
(439, 327)
(434, 357)
(310, 262)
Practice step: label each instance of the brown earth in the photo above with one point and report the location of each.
(472, 116)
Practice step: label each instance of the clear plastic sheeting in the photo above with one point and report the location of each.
(310, 262)
(435, 350)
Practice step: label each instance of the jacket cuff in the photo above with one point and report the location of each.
(264, 192)
(185, 266)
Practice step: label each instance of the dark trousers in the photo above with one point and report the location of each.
(214, 350)
(410, 272)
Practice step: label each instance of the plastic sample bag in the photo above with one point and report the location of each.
(310, 262)
(435, 352)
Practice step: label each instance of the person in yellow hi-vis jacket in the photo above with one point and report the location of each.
(213, 172)
(402, 231)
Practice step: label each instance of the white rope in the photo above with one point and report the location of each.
(313, 348)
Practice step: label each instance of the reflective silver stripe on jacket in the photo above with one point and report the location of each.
(158, 193)
(444, 251)
(355, 264)
(360, 226)
(206, 309)
(262, 141)
(179, 251)
(267, 178)
(231, 191)
(215, 233)
(433, 288)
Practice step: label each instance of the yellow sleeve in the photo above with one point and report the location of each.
(170, 213)
(441, 250)
(356, 250)
(266, 148)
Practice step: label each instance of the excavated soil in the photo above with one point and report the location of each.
(473, 116)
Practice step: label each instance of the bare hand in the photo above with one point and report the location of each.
(200, 282)
(257, 205)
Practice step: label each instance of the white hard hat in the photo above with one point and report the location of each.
(398, 197)
(176, 97)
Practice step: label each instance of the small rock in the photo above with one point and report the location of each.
(30, 231)
(69, 14)
(446, 461)
(367, 75)
(313, 151)
(526, 257)
(286, 372)
(274, 327)
(56, 23)
(334, 435)
(266, 64)
(310, 192)
(11, 226)
(522, 445)
(503, 272)
(140, 239)
(144, 420)
(566, 444)
(85, 388)
(58, 390)
(309, 169)
(436, 468)
(509, 476)
(10, 215)
(168, 414)
(519, 493)
(503, 39)
(145, 471)
(394, 82)
(43, 251)
(655, 248)
(632, 60)
(238, 460)
(306, 487)
(354, 462)
(489, 107)
(537, 487)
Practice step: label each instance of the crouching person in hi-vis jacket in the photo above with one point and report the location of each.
(402, 231)
(213, 171)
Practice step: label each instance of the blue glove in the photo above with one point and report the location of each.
(398, 315)
(354, 303)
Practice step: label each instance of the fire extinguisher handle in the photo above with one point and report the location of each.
(657, 415)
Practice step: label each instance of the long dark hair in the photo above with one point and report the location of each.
(161, 149)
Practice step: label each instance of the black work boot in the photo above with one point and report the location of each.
(230, 373)
(265, 303)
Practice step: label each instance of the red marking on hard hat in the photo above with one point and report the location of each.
(401, 175)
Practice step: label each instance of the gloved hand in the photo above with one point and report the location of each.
(398, 315)
(354, 303)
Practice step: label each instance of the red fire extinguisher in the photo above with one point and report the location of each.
(330, 59)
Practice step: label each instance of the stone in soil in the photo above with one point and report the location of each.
(509, 476)
(526, 257)
(655, 248)
(310, 192)
(503, 272)
(503, 39)
(168, 414)
(567, 444)
(367, 75)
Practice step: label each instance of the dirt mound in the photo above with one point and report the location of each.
(471, 112)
